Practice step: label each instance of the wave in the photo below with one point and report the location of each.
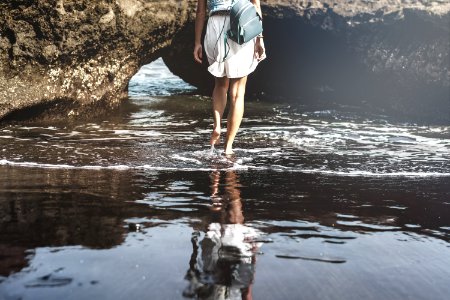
(234, 166)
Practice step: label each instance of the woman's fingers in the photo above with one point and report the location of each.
(260, 52)
(197, 58)
(263, 56)
(257, 49)
(198, 54)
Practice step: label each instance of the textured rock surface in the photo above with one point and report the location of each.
(390, 56)
(71, 57)
(77, 55)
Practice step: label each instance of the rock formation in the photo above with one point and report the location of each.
(77, 56)
(391, 56)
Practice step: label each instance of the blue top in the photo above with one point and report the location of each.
(218, 5)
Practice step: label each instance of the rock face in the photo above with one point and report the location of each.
(77, 56)
(72, 57)
(391, 57)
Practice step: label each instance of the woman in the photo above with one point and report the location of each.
(229, 63)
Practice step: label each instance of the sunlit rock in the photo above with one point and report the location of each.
(72, 57)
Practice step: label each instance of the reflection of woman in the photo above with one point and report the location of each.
(225, 267)
(229, 63)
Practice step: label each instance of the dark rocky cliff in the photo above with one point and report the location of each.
(77, 56)
(391, 57)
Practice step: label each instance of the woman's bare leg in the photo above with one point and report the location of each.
(236, 111)
(219, 102)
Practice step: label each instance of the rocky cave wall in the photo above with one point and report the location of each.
(390, 57)
(75, 57)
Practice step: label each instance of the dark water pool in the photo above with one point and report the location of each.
(316, 204)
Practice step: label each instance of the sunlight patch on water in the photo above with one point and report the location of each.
(155, 79)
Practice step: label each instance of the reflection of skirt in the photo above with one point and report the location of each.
(240, 60)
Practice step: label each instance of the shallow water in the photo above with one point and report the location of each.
(316, 204)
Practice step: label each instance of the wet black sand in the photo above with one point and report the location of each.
(316, 204)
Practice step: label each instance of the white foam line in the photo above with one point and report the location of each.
(105, 139)
(4, 162)
(179, 157)
(117, 167)
(371, 174)
(276, 168)
(257, 150)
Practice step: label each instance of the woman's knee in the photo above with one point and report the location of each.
(237, 94)
(237, 90)
(222, 83)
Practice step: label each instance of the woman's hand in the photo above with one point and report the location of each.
(260, 51)
(198, 53)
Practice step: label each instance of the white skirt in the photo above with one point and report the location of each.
(240, 60)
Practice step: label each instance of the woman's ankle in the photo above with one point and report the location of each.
(228, 149)
(215, 135)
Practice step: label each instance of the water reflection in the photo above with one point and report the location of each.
(69, 231)
(222, 264)
(61, 208)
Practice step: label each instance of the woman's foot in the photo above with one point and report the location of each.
(215, 135)
(228, 151)
(228, 147)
